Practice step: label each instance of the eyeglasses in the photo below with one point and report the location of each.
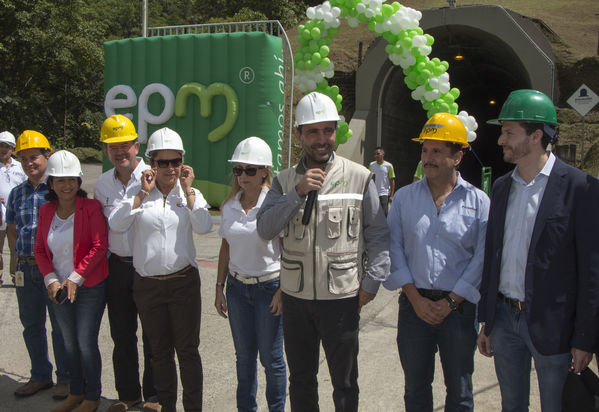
(164, 163)
(250, 171)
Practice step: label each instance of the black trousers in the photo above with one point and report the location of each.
(122, 315)
(170, 310)
(385, 203)
(305, 324)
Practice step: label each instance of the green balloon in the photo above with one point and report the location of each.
(324, 63)
(315, 33)
(316, 58)
(387, 10)
(324, 51)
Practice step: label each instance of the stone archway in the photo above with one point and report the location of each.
(502, 51)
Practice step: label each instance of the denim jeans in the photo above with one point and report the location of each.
(418, 341)
(256, 330)
(80, 325)
(33, 301)
(513, 351)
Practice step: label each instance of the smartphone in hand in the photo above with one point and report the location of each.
(61, 295)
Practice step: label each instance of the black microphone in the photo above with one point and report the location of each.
(309, 207)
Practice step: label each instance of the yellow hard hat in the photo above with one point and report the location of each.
(117, 128)
(30, 139)
(445, 127)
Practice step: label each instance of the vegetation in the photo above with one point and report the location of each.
(52, 56)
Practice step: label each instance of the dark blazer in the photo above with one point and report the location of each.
(562, 270)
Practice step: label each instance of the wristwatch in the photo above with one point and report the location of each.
(453, 305)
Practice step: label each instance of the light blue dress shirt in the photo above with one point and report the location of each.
(522, 207)
(442, 251)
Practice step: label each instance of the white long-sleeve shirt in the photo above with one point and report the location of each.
(110, 191)
(162, 233)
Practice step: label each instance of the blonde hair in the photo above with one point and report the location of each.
(235, 188)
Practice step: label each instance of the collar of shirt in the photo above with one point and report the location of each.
(545, 171)
(136, 175)
(236, 204)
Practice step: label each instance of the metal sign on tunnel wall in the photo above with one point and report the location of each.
(213, 89)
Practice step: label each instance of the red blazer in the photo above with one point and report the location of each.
(90, 240)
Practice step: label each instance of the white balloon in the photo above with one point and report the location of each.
(471, 136)
(404, 22)
(319, 14)
(428, 96)
(378, 28)
(444, 77)
(434, 83)
(369, 13)
(425, 50)
(353, 22)
(310, 13)
(336, 11)
(418, 41)
(444, 87)
(360, 8)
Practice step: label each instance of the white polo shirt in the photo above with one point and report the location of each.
(110, 191)
(249, 254)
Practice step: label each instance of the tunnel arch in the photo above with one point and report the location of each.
(502, 51)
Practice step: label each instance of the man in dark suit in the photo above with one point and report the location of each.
(540, 286)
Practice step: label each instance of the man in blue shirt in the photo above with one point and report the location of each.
(437, 228)
(22, 209)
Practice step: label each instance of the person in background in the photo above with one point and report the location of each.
(419, 172)
(540, 285)
(384, 177)
(11, 175)
(250, 266)
(333, 257)
(437, 227)
(164, 214)
(119, 138)
(71, 250)
(22, 208)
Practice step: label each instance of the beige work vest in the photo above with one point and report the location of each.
(323, 259)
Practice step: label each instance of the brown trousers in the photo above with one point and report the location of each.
(170, 313)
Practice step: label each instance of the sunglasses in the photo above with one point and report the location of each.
(164, 163)
(250, 171)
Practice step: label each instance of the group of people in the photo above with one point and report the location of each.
(301, 253)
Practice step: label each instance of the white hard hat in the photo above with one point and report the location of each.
(164, 139)
(7, 137)
(63, 164)
(253, 151)
(314, 108)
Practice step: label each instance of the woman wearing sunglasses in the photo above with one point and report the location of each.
(166, 288)
(70, 251)
(250, 266)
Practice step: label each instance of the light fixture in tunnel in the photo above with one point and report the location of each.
(459, 56)
(492, 102)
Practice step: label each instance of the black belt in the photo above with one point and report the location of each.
(178, 274)
(30, 260)
(433, 294)
(124, 259)
(514, 303)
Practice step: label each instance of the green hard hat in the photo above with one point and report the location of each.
(527, 105)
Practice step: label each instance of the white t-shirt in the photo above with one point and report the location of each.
(382, 172)
(249, 254)
(60, 243)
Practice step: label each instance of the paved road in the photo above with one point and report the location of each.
(381, 378)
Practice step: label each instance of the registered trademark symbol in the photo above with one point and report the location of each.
(247, 75)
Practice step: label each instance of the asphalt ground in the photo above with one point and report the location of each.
(380, 375)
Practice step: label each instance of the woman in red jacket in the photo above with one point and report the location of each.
(70, 250)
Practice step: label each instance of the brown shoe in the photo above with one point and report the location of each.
(122, 406)
(31, 388)
(68, 404)
(151, 407)
(61, 391)
(88, 406)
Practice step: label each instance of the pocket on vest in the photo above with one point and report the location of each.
(335, 216)
(292, 275)
(343, 276)
(353, 222)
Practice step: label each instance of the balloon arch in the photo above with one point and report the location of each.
(408, 48)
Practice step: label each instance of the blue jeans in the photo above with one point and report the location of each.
(513, 350)
(33, 300)
(256, 330)
(418, 341)
(80, 326)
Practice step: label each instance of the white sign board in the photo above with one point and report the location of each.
(583, 100)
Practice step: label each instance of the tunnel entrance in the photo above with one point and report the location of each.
(484, 80)
(500, 51)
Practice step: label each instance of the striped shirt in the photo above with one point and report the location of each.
(22, 210)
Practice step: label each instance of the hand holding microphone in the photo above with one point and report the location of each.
(310, 185)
